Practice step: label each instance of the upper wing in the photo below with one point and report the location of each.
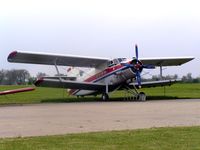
(82, 61)
(167, 61)
(58, 59)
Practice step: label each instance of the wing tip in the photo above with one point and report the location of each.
(11, 56)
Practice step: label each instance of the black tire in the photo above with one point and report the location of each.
(105, 97)
(141, 96)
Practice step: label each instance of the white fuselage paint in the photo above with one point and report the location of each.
(113, 77)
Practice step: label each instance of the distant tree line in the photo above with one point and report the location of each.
(185, 79)
(18, 77)
(189, 79)
(23, 77)
(15, 77)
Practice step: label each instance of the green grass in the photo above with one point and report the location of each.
(143, 139)
(37, 96)
(44, 95)
(155, 138)
(176, 91)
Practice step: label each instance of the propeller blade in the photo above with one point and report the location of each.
(136, 52)
(148, 66)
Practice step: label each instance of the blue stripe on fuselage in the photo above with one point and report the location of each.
(105, 76)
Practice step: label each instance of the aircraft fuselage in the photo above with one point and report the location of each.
(113, 75)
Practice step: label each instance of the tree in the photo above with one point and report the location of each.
(2, 76)
(13, 77)
(41, 74)
(22, 76)
(31, 80)
(187, 78)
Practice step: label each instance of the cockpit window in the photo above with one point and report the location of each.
(115, 61)
(121, 59)
(110, 63)
(134, 61)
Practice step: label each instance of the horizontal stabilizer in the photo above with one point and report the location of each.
(16, 91)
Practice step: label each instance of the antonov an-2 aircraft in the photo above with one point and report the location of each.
(109, 75)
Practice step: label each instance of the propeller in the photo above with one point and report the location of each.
(137, 66)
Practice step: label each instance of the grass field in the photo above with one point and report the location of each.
(43, 95)
(143, 139)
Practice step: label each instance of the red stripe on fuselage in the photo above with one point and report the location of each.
(99, 75)
(103, 73)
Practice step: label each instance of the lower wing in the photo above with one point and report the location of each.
(154, 83)
(68, 84)
(59, 83)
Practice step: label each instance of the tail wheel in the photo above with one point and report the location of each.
(104, 97)
(141, 96)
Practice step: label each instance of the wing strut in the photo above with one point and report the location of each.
(161, 72)
(57, 70)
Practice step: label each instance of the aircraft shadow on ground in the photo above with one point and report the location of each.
(97, 99)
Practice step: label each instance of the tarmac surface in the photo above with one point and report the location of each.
(63, 118)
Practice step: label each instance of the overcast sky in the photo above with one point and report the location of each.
(102, 28)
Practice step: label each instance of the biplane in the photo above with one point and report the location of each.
(108, 74)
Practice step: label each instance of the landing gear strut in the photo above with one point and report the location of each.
(133, 94)
(105, 95)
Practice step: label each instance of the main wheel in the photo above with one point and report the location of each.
(104, 97)
(141, 96)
